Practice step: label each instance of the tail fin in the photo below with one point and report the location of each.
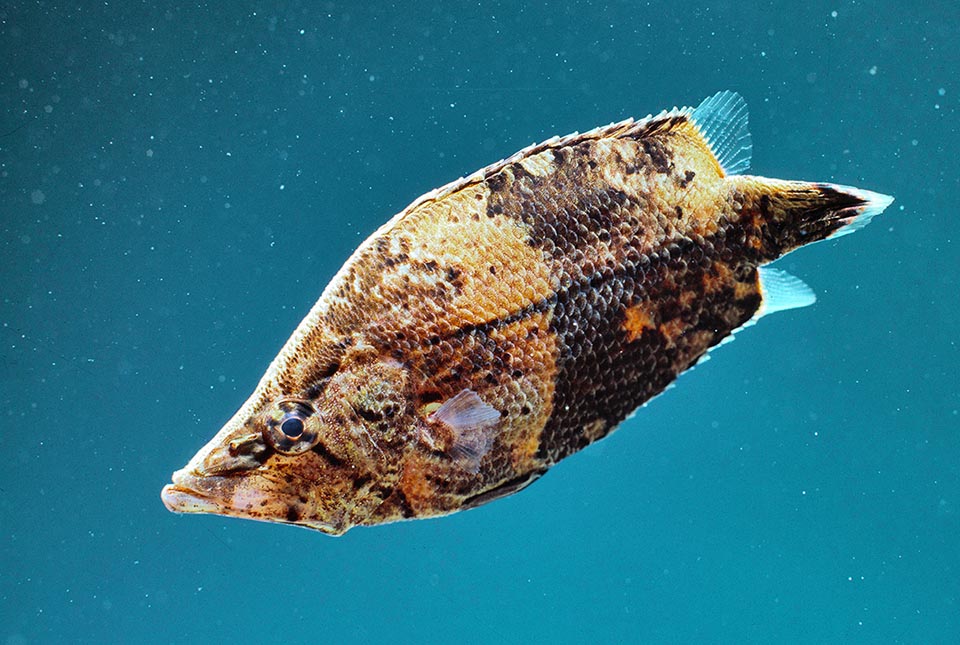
(872, 204)
(791, 214)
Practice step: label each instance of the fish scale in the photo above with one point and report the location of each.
(503, 322)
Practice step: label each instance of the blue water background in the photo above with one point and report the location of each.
(179, 181)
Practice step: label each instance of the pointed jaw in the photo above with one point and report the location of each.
(234, 496)
(181, 497)
(237, 474)
(243, 497)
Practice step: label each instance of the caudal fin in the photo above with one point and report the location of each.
(856, 217)
(791, 214)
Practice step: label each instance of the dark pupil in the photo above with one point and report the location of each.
(292, 427)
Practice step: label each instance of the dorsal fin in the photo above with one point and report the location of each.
(722, 120)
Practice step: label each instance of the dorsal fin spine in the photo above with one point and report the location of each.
(722, 120)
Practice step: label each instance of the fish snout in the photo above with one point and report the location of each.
(184, 496)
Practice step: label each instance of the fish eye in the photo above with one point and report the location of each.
(291, 427)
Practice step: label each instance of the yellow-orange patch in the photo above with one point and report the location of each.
(638, 319)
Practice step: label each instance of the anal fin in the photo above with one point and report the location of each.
(782, 291)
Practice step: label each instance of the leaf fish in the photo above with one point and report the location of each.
(507, 320)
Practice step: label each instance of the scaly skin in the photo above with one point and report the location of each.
(565, 286)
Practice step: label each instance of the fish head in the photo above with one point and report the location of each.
(322, 455)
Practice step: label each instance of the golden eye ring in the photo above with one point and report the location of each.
(291, 426)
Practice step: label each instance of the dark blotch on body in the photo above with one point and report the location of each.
(321, 450)
(361, 481)
(496, 182)
(660, 156)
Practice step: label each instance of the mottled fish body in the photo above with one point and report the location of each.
(511, 318)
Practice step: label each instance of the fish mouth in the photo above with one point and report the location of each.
(179, 500)
(185, 495)
(181, 497)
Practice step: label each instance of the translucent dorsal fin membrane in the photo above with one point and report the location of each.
(722, 120)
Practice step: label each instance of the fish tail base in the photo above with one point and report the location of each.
(791, 214)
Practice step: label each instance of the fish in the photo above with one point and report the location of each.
(511, 318)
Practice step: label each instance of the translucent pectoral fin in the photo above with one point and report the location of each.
(464, 428)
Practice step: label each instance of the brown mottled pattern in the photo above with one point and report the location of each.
(565, 287)
(605, 217)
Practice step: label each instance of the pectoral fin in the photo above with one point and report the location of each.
(463, 427)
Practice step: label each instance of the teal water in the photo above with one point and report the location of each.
(178, 183)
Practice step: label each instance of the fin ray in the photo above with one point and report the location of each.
(471, 423)
(723, 121)
(782, 291)
(873, 205)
